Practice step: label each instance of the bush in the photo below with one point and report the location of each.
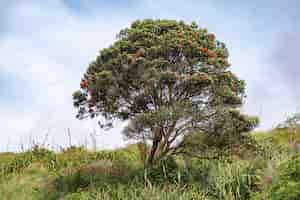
(139, 192)
(231, 180)
(20, 161)
(165, 171)
(286, 184)
(72, 182)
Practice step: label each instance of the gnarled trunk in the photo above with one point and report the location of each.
(154, 147)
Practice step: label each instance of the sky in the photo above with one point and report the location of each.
(46, 46)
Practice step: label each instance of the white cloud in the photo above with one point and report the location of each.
(13, 126)
(49, 51)
(47, 47)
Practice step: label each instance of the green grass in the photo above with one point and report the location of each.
(33, 183)
(134, 192)
(76, 173)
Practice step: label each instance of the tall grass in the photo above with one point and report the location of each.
(70, 157)
(137, 192)
(232, 181)
(76, 173)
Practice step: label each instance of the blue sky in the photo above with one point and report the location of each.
(45, 47)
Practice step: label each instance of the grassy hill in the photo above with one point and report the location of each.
(76, 173)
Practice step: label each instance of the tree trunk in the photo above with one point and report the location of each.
(152, 152)
(156, 141)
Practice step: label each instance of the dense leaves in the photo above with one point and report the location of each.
(286, 184)
(170, 80)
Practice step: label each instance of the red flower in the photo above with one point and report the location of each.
(202, 77)
(204, 50)
(83, 84)
(211, 36)
(211, 54)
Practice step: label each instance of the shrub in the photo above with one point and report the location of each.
(286, 184)
(22, 160)
(138, 192)
(165, 171)
(71, 182)
(232, 181)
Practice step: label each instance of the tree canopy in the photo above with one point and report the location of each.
(170, 80)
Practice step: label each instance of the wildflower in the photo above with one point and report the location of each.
(83, 84)
(211, 36)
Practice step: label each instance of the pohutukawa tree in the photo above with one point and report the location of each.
(169, 80)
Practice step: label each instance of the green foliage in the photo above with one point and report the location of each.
(165, 171)
(286, 184)
(137, 192)
(169, 79)
(73, 157)
(221, 179)
(292, 123)
(106, 174)
(72, 182)
(228, 144)
(76, 173)
(35, 183)
(232, 180)
(279, 140)
(20, 161)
